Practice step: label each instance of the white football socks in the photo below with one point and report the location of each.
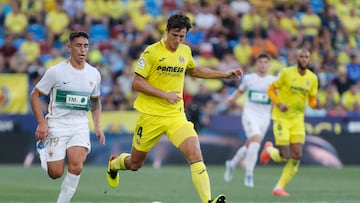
(68, 188)
(251, 157)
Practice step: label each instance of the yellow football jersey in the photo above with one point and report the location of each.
(293, 90)
(164, 70)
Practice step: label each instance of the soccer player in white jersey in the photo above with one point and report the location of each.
(256, 118)
(74, 88)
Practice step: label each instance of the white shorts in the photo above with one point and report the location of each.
(64, 135)
(254, 125)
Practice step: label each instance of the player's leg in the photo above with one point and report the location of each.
(182, 135)
(282, 138)
(249, 125)
(76, 157)
(147, 133)
(190, 148)
(230, 165)
(297, 140)
(55, 163)
(251, 159)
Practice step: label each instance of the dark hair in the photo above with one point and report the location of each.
(74, 35)
(263, 55)
(178, 21)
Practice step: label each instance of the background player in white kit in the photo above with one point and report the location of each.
(74, 88)
(256, 117)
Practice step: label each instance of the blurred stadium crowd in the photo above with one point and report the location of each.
(226, 34)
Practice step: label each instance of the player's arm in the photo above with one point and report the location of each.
(207, 73)
(314, 102)
(234, 96)
(140, 84)
(42, 128)
(271, 92)
(95, 108)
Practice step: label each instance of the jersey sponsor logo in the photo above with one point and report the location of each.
(76, 99)
(141, 63)
(299, 89)
(170, 69)
(72, 100)
(258, 97)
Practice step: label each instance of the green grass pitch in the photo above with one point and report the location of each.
(172, 184)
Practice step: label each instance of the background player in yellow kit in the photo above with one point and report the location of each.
(289, 93)
(159, 79)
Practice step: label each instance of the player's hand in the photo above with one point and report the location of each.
(283, 107)
(172, 97)
(100, 134)
(41, 132)
(229, 100)
(235, 73)
(320, 106)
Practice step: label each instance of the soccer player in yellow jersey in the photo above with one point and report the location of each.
(159, 79)
(289, 93)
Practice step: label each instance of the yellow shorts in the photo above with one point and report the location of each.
(150, 128)
(289, 131)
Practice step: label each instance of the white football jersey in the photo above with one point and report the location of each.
(257, 103)
(70, 90)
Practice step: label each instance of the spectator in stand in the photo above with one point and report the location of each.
(115, 9)
(33, 9)
(351, 21)
(240, 7)
(30, 48)
(353, 68)
(263, 45)
(195, 37)
(206, 57)
(57, 23)
(71, 7)
(205, 18)
(342, 7)
(242, 51)
(252, 23)
(142, 20)
(221, 46)
(125, 79)
(341, 81)
(331, 22)
(289, 23)
(55, 57)
(228, 21)
(310, 24)
(95, 13)
(16, 22)
(351, 98)
(279, 37)
(330, 97)
(18, 63)
(8, 51)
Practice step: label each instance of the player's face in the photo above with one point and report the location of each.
(78, 49)
(174, 38)
(303, 59)
(262, 65)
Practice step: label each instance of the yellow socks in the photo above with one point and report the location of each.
(119, 162)
(201, 180)
(288, 173)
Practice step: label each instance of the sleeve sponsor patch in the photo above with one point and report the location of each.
(141, 63)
